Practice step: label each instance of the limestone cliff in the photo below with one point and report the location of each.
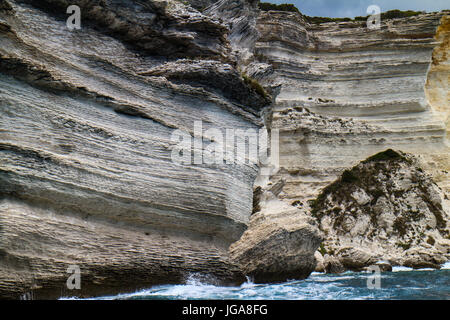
(344, 92)
(86, 175)
(371, 81)
(87, 119)
(437, 86)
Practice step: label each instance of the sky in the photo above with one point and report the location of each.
(352, 8)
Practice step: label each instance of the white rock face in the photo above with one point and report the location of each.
(278, 245)
(344, 93)
(438, 84)
(364, 91)
(240, 16)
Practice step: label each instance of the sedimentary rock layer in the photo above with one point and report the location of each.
(240, 16)
(364, 91)
(87, 118)
(86, 170)
(438, 80)
(344, 92)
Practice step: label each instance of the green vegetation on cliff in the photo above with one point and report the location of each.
(265, 6)
(391, 14)
(254, 84)
(318, 20)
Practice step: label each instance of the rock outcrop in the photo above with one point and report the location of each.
(213, 75)
(241, 17)
(168, 29)
(279, 243)
(200, 4)
(384, 209)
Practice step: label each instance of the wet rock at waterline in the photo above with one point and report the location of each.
(278, 245)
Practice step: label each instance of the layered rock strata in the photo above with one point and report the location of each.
(241, 17)
(87, 175)
(370, 80)
(343, 93)
(437, 87)
(86, 170)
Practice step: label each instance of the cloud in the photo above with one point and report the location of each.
(352, 8)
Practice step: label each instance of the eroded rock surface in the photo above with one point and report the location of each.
(384, 209)
(343, 93)
(372, 81)
(278, 245)
(87, 116)
(437, 86)
(86, 170)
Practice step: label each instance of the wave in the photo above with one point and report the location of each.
(400, 284)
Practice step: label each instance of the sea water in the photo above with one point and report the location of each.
(403, 283)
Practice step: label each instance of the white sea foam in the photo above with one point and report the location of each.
(248, 284)
(349, 285)
(401, 269)
(426, 269)
(445, 266)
